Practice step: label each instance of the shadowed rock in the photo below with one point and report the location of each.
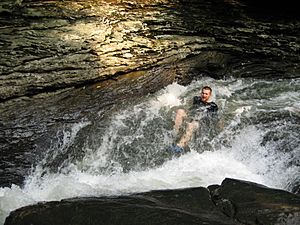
(252, 203)
(234, 202)
(187, 206)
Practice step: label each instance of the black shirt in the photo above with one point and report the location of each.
(210, 108)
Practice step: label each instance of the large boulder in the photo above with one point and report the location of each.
(252, 203)
(234, 202)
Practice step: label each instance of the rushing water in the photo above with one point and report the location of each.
(256, 139)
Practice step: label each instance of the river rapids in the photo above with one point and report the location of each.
(256, 138)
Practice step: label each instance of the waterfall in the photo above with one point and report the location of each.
(258, 140)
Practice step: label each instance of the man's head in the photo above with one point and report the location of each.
(205, 93)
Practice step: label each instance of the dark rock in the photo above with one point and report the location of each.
(214, 189)
(234, 202)
(258, 204)
(187, 206)
(28, 125)
(224, 205)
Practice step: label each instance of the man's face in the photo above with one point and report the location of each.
(205, 95)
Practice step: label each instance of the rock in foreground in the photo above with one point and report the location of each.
(233, 202)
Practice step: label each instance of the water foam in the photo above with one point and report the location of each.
(191, 170)
(243, 157)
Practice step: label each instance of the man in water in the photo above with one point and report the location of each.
(201, 107)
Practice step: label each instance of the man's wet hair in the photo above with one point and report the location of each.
(207, 88)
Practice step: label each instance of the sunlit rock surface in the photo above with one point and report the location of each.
(51, 45)
(233, 202)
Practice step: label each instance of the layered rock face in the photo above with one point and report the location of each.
(51, 45)
(234, 202)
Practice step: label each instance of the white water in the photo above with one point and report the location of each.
(241, 155)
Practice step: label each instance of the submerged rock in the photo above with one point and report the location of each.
(233, 202)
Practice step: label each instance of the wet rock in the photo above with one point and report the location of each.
(30, 126)
(233, 202)
(187, 206)
(251, 203)
(47, 46)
